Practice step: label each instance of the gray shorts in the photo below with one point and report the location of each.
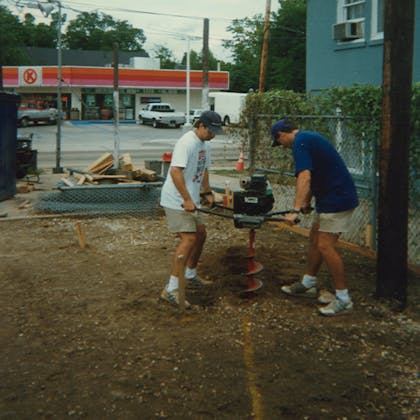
(182, 221)
(334, 222)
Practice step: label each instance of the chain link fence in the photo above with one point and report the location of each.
(103, 200)
(357, 142)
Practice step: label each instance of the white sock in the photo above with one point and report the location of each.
(343, 295)
(190, 273)
(309, 281)
(172, 284)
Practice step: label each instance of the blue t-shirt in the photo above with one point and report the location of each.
(331, 182)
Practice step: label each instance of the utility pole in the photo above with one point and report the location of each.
(187, 83)
(58, 169)
(205, 89)
(116, 102)
(391, 279)
(264, 52)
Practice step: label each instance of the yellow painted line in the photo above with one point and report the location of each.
(250, 368)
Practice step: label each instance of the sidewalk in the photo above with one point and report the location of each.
(21, 204)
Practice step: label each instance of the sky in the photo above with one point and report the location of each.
(158, 21)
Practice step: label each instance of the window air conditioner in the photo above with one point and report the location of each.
(347, 31)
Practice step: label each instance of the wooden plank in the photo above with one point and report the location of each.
(104, 167)
(106, 158)
(125, 162)
(97, 177)
(79, 178)
(68, 182)
(144, 174)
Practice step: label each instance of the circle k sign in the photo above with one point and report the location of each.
(30, 76)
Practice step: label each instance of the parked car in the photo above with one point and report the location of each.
(195, 115)
(32, 113)
(161, 114)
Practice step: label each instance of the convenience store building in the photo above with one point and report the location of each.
(87, 91)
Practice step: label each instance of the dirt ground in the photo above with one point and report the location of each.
(85, 335)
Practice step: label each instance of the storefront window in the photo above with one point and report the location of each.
(90, 100)
(101, 106)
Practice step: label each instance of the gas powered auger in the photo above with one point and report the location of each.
(252, 207)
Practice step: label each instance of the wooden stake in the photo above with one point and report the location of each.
(80, 235)
(181, 282)
(368, 236)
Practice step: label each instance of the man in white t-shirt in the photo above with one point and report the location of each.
(187, 180)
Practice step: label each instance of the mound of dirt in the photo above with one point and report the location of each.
(84, 333)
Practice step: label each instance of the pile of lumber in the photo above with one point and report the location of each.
(102, 171)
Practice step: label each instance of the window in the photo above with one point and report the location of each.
(378, 16)
(354, 9)
(350, 24)
(350, 10)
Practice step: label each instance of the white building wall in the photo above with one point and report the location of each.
(76, 98)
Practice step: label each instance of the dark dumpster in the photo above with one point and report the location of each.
(9, 103)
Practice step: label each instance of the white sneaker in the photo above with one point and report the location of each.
(325, 297)
(173, 297)
(197, 281)
(336, 307)
(298, 289)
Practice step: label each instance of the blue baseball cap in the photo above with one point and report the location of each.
(212, 121)
(281, 125)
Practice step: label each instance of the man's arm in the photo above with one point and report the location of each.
(205, 187)
(303, 190)
(177, 174)
(303, 195)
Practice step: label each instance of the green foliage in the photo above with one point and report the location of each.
(196, 60)
(167, 59)
(286, 49)
(11, 36)
(360, 106)
(98, 31)
(415, 140)
(261, 111)
(40, 35)
(360, 102)
(245, 47)
(286, 67)
(16, 34)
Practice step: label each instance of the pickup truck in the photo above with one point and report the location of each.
(161, 115)
(31, 113)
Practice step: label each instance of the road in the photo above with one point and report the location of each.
(82, 143)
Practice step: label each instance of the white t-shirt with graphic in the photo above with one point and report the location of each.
(193, 155)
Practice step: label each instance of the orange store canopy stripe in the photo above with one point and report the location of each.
(104, 77)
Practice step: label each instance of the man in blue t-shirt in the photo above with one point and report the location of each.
(320, 173)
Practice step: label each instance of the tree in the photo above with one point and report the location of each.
(287, 47)
(98, 31)
(196, 60)
(40, 35)
(11, 39)
(245, 47)
(166, 56)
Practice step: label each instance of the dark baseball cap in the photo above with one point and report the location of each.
(212, 121)
(281, 125)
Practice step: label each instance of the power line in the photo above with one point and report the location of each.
(146, 12)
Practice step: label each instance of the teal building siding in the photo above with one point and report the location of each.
(345, 62)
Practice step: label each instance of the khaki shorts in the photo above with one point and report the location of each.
(334, 222)
(182, 221)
